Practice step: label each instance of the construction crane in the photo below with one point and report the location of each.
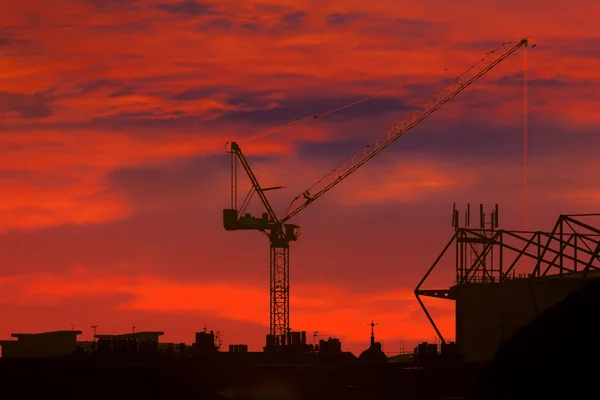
(280, 233)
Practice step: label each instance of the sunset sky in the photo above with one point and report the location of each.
(114, 116)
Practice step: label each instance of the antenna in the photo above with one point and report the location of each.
(468, 217)
(496, 215)
(481, 217)
(454, 222)
(94, 341)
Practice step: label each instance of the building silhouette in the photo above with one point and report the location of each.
(44, 344)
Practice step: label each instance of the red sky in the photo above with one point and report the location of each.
(114, 115)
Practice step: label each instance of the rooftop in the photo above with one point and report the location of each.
(135, 335)
(52, 333)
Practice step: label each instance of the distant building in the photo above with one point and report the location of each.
(374, 352)
(139, 336)
(205, 343)
(145, 342)
(45, 344)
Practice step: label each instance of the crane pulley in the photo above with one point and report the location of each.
(280, 233)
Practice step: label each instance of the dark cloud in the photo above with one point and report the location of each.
(411, 25)
(5, 41)
(188, 7)
(252, 26)
(467, 143)
(337, 19)
(588, 47)
(142, 25)
(29, 106)
(226, 24)
(484, 46)
(260, 110)
(289, 23)
(295, 18)
(219, 23)
(124, 87)
(559, 82)
(299, 108)
(14, 45)
(139, 184)
(407, 31)
(116, 87)
(122, 92)
(135, 124)
(198, 93)
(90, 86)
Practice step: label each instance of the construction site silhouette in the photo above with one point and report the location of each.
(552, 333)
(525, 309)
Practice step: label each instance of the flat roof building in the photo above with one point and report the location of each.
(44, 344)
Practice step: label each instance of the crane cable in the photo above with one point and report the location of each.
(315, 116)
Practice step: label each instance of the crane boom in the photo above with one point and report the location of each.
(401, 127)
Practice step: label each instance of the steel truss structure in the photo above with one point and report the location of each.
(489, 255)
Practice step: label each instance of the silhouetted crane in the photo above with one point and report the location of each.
(281, 234)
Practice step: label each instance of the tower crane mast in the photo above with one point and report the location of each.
(281, 234)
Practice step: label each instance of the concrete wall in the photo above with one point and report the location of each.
(483, 308)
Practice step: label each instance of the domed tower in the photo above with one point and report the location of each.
(374, 352)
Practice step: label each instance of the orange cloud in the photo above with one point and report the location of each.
(79, 200)
(402, 182)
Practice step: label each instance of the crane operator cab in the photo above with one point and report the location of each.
(292, 232)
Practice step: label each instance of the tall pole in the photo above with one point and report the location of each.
(94, 327)
(525, 139)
